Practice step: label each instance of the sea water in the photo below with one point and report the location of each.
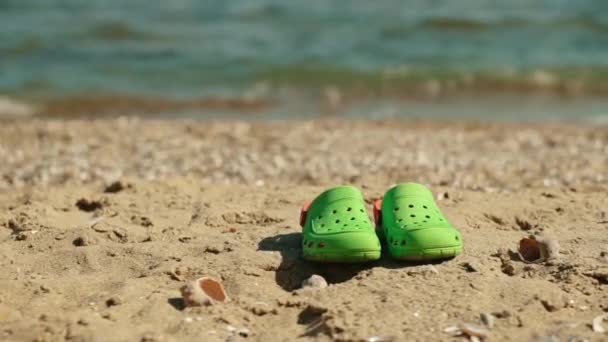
(381, 58)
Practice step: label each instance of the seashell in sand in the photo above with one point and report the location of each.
(534, 250)
(453, 330)
(203, 292)
(475, 333)
(597, 323)
(473, 330)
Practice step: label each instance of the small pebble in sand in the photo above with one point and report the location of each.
(487, 319)
(213, 249)
(315, 281)
(597, 323)
(471, 266)
(443, 195)
(243, 332)
(261, 309)
(83, 240)
(552, 303)
(508, 268)
(604, 257)
(113, 301)
(89, 205)
(203, 292)
(83, 321)
(115, 187)
(108, 316)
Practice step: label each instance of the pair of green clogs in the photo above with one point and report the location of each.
(337, 228)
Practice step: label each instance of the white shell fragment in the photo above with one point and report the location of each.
(597, 323)
(203, 292)
(473, 330)
(380, 339)
(474, 333)
(453, 330)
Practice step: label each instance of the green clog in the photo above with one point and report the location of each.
(337, 228)
(413, 225)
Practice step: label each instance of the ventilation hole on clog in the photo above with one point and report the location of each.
(361, 210)
(349, 209)
(329, 229)
(400, 220)
(427, 216)
(337, 221)
(425, 207)
(403, 243)
(456, 238)
(440, 219)
(415, 223)
(424, 221)
(412, 215)
(321, 244)
(320, 217)
(335, 211)
(346, 224)
(352, 218)
(311, 244)
(322, 225)
(411, 205)
(396, 209)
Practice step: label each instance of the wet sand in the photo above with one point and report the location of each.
(84, 260)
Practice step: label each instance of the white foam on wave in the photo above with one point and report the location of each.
(11, 107)
(599, 120)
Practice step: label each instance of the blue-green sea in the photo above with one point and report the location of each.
(443, 58)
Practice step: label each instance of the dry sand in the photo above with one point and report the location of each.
(81, 261)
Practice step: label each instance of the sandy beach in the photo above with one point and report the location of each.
(102, 221)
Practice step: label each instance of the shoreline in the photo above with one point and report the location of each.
(430, 101)
(460, 154)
